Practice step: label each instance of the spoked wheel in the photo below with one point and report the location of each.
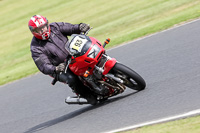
(130, 78)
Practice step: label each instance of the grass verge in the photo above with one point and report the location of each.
(189, 125)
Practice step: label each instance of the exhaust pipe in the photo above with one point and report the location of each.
(76, 100)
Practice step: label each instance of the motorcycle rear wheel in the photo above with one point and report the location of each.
(130, 78)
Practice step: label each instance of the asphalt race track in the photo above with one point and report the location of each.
(169, 62)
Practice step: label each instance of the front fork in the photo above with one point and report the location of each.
(104, 83)
(105, 64)
(103, 68)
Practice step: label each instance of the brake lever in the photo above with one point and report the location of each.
(88, 31)
(82, 33)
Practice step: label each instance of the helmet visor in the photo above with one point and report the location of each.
(41, 29)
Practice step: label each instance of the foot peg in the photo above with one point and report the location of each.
(76, 100)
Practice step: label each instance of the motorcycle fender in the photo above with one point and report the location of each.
(109, 65)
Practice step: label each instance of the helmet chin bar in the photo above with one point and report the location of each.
(45, 35)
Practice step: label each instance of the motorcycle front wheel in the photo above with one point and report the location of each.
(130, 78)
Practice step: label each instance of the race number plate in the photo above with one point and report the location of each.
(77, 43)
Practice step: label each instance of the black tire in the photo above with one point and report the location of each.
(131, 78)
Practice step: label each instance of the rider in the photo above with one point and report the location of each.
(48, 51)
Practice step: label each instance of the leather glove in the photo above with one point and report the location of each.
(60, 68)
(84, 27)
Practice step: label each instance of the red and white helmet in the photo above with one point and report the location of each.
(39, 27)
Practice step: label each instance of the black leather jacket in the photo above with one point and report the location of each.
(47, 54)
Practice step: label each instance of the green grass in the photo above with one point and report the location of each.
(121, 21)
(189, 125)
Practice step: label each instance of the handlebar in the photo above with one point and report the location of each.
(67, 62)
(54, 81)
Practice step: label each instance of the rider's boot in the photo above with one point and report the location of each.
(81, 100)
(83, 92)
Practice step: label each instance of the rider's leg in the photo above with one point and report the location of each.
(74, 82)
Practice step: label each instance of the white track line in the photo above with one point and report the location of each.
(188, 114)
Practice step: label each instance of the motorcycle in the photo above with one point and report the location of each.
(105, 76)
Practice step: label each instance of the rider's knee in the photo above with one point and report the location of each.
(71, 79)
